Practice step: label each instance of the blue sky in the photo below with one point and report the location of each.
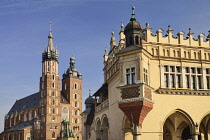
(81, 28)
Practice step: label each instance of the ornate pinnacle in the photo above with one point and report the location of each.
(122, 26)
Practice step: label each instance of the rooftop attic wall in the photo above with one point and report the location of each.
(178, 39)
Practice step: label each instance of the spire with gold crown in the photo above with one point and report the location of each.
(50, 53)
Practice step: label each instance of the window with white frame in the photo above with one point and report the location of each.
(172, 76)
(130, 76)
(208, 78)
(190, 77)
(145, 76)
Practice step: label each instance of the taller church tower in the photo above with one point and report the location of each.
(50, 92)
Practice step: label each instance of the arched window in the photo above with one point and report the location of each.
(205, 56)
(137, 40)
(189, 56)
(51, 127)
(53, 85)
(199, 55)
(178, 54)
(53, 119)
(53, 102)
(195, 56)
(75, 104)
(75, 113)
(53, 111)
(75, 96)
(75, 86)
(15, 136)
(174, 53)
(185, 54)
(53, 135)
(76, 120)
(65, 113)
(53, 93)
(65, 86)
(153, 52)
(25, 116)
(131, 40)
(168, 53)
(10, 137)
(164, 52)
(21, 135)
(35, 113)
(30, 115)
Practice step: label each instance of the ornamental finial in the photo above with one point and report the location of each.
(112, 32)
(90, 93)
(133, 14)
(122, 26)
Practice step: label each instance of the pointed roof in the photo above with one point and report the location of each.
(51, 53)
(25, 103)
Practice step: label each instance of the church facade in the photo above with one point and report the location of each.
(156, 87)
(53, 112)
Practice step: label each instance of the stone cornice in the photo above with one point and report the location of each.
(184, 92)
(135, 100)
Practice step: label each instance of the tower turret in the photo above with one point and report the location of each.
(133, 31)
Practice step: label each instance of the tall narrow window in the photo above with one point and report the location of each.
(130, 76)
(133, 75)
(165, 80)
(178, 81)
(53, 111)
(131, 40)
(199, 82)
(172, 80)
(53, 135)
(137, 40)
(187, 79)
(193, 82)
(53, 102)
(75, 86)
(145, 76)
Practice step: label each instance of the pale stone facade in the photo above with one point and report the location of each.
(156, 87)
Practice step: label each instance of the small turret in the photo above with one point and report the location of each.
(133, 31)
(72, 71)
(112, 41)
(121, 36)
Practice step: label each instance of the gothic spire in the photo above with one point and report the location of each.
(51, 53)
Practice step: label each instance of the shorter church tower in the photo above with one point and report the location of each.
(72, 91)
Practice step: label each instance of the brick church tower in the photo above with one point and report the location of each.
(50, 92)
(72, 91)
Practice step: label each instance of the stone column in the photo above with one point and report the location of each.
(195, 136)
(136, 132)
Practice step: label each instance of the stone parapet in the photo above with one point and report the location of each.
(169, 38)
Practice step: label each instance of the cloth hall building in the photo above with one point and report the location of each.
(51, 113)
(156, 87)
